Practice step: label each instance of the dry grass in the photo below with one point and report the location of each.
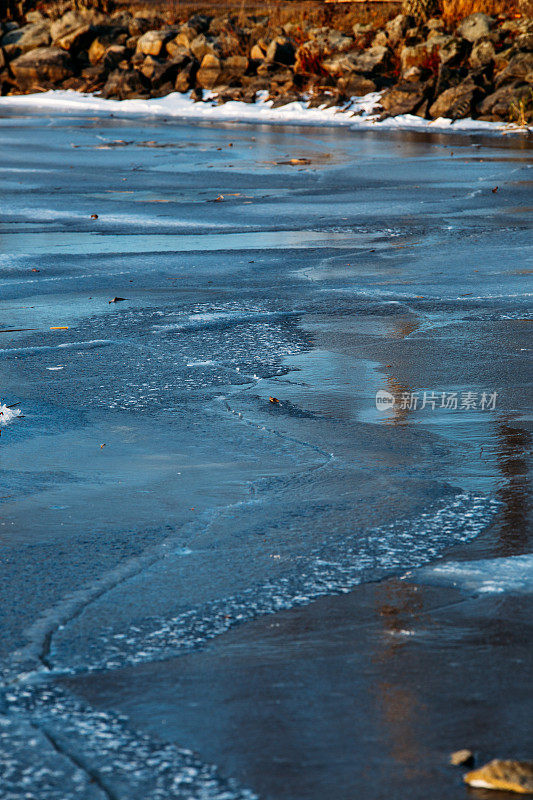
(455, 10)
(341, 16)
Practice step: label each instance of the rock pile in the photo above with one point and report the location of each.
(483, 68)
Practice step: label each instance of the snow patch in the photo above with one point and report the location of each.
(7, 414)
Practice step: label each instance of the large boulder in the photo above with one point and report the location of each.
(43, 65)
(404, 98)
(519, 68)
(456, 102)
(152, 43)
(66, 24)
(504, 101)
(78, 39)
(475, 27)
(209, 72)
(122, 84)
(22, 40)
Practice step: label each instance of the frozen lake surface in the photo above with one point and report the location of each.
(152, 495)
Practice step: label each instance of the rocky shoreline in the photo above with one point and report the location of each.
(482, 68)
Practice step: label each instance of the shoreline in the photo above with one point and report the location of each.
(358, 115)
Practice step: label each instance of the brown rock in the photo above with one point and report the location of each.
(66, 24)
(97, 50)
(462, 758)
(356, 85)
(186, 77)
(519, 68)
(419, 55)
(456, 102)
(403, 99)
(152, 43)
(160, 72)
(125, 83)
(380, 39)
(175, 49)
(113, 57)
(258, 52)
(209, 72)
(234, 67)
(185, 36)
(201, 46)
(45, 64)
(78, 39)
(507, 776)
(501, 103)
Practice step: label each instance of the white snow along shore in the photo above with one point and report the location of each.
(360, 113)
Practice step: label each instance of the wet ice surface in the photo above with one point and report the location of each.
(496, 575)
(152, 496)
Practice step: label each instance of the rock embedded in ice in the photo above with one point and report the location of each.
(462, 758)
(507, 776)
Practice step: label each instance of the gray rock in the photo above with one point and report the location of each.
(474, 27)
(451, 51)
(524, 42)
(27, 38)
(372, 60)
(483, 53)
(456, 102)
(519, 68)
(501, 102)
(396, 28)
